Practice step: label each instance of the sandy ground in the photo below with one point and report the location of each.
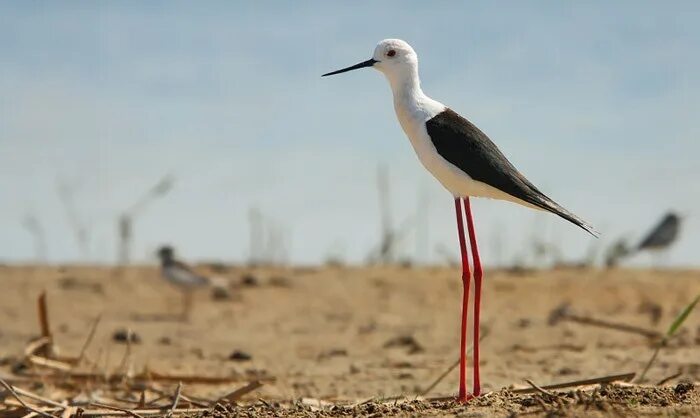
(324, 333)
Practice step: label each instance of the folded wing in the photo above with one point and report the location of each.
(462, 144)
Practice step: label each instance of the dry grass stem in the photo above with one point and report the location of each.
(116, 408)
(176, 398)
(24, 404)
(46, 350)
(625, 377)
(539, 389)
(89, 338)
(240, 392)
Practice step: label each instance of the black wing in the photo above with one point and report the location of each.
(663, 234)
(461, 143)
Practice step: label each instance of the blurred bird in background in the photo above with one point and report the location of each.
(182, 276)
(658, 241)
(663, 235)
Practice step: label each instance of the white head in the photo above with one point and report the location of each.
(393, 57)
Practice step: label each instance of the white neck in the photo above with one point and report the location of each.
(405, 84)
(411, 104)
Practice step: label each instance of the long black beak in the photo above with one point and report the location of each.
(370, 62)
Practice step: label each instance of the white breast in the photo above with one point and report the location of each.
(413, 111)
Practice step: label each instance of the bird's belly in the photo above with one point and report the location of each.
(453, 179)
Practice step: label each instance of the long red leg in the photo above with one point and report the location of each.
(465, 303)
(477, 293)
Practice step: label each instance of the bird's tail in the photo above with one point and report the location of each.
(553, 207)
(537, 199)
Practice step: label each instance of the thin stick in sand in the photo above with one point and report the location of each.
(116, 408)
(34, 396)
(112, 412)
(21, 401)
(89, 338)
(539, 389)
(35, 345)
(176, 399)
(625, 377)
(196, 401)
(671, 377)
(45, 350)
(49, 363)
(563, 313)
(238, 393)
(139, 378)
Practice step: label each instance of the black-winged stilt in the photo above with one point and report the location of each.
(181, 275)
(464, 160)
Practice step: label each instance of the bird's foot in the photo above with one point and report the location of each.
(465, 398)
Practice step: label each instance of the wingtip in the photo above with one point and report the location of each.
(586, 227)
(594, 232)
(563, 213)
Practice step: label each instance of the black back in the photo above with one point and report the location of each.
(663, 234)
(462, 144)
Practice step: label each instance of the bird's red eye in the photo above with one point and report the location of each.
(391, 53)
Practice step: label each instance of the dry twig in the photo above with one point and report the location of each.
(238, 393)
(176, 398)
(539, 389)
(35, 345)
(49, 363)
(75, 376)
(89, 338)
(625, 377)
(563, 313)
(671, 377)
(32, 395)
(70, 411)
(110, 412)
(47, 349)
(24, 404)
(116, 408)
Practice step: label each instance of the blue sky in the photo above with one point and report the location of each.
(596, 103)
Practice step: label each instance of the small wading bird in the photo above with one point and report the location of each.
(464, 160)
(660, 239)
(182, 276)
(663, 235)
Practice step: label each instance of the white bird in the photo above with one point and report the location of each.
(464, 160)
